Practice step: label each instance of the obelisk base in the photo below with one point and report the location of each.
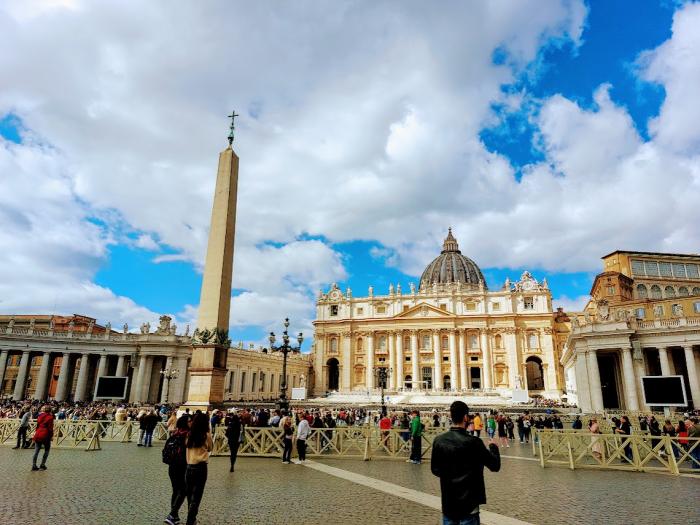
(207, 376)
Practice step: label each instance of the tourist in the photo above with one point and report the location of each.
(141, 418)
(625, 429)
(172, 423)
(385, 428)
(275, 420)
(510, 427)
(502, 432)
(597, 445)
(199, 446)
(577, 424)
(233, 435)
(175, 455)
(148, 423)
(303, 431)
(288, 434)
(694, 432)
(25, 419)
(478, 425)
(43, 436)
(458, 459)
(416, 438)
(520, 423)
(490, 426)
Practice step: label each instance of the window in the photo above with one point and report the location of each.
(445, 358)
(640, 313)
(652, 268)
(334, 345)
(473, 341)
(444, 343)
(381, 309)
(532, 341)
(406, 343)
(496, 307)
(529, 303)
(381, 359)
(446, 382)
(242, 382)
(638, 267)
(358, 345)
(692, 270)
(382, 342)
(656, 292)
(696, 307)
(443, 306)
(696, 291)
(425, 345)
(474, 358)
(334, 309)
(659, 311)
(471, 307)
(498, 341)
(679, 270)
(611, 290)
(427, 373)
(665, 269)
(641, 291)
(683, 292)
(360, 311)
(408, 358)
(669, 292)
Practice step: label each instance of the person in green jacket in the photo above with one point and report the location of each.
(416, 433)
(491, 426)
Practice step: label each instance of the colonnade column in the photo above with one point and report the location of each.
(437, 361)
(392, 361)
(594, 381)
(43, 377)
(692, 375)
(82, 377)
(346, 383)
(630, 382)
(63, 373)
(165, 391)
(463, 366)
(21, 382)
(454, 369)
(415, 358)
(398, 369)
(486, 382)
(102, 367)
(121, 366)
(140, 380)
(319, 366)
(369, 365)
(663, 360)
(3, 365)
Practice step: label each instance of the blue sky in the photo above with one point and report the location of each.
(336, 158)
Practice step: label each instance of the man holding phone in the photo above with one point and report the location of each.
(458, 459)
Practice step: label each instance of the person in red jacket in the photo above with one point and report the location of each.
(43, 436)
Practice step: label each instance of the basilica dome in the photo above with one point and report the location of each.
(451, 267)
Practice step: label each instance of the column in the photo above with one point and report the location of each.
(140, 380)
(177, 389)
(663, 359)
(398, 369)
(134, 386)
(692, 375)
(121, 366)
(3, 365)
(511, 346)
(320, 381)
(165, 392)
(346, 380)
(82, 377)
(392, 361)
(487, 368)
(437, 361)
(415, 360)
(63, 376)
(369, 365)
(102, 367)
(594, 381)
(630, 382)
(43, 377)
(454, 373)
(550, 372)
(21, 382)
(464, 377)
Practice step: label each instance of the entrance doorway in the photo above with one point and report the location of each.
(607, 364)
(333, 373)
(534, 373)
(475, 377)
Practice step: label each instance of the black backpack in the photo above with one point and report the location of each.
(173, 450)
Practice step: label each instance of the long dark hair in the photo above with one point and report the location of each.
(198, 431)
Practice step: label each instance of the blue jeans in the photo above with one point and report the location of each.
(472, 519)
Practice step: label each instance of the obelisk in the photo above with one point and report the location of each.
(210, 347)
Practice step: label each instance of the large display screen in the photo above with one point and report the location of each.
(666, 391)
(111, 387)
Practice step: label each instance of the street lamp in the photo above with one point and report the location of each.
(382, 374)
(283, 403)
(168, 374)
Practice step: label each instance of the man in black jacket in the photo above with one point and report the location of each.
(458, 459)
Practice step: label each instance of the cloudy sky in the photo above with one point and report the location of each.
(547, 134)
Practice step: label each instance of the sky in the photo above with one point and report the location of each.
(545, 133)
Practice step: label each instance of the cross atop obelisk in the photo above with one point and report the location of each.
(232, 116)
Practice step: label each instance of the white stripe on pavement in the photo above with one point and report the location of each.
(422, 498)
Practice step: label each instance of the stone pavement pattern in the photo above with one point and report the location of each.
(125, 484)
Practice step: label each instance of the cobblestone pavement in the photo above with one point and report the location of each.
(125, 484)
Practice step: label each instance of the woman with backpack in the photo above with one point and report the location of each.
(174, 455)
(199, 445)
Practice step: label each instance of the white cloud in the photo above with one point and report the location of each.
(571, 304)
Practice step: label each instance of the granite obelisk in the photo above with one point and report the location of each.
(210, 341)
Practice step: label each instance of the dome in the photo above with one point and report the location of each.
(452, 267)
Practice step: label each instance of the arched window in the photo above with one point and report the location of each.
(656, 292)
(473, 342)
(696, 291)
(535, 373)
(533, 341)
(498, 341)
(642, 291)
(358, 345)
(669, 292)
(406, 343)
(408, 381)
(446, 383)
(683, 292)
(444, 343)
(382, 342)
(334, 345)
(425, 342)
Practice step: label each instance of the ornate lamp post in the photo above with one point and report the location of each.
(382, 374)
(283, 403)
(168, 374)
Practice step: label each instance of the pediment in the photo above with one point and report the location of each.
(423, 310)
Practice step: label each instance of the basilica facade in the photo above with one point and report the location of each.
(449, 334)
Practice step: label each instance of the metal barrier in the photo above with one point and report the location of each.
(66, 434)
(635, 452)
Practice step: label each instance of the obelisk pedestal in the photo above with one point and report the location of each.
(210, 340)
